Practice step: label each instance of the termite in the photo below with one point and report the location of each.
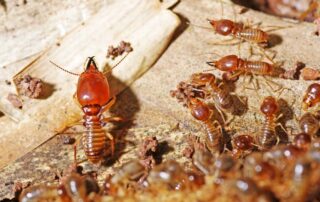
(258, 169)
(268, 137)
(93, 95)
(202, 112)
(302, 141)
(309, 124)
(238, 30)
(171, 175)
(311, 97)
(222, 98)
(232, 63)
(74, 188)
(128, 172)
(242, 145)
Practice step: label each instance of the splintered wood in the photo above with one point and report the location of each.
(147, 25)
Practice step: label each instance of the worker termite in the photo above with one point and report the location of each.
(227, 27)
(268, 137)
(309, 124)
(201, 112)
(129, 172)
(233, 63)
(258, 169)
(74, 188)
(311, 97)
(170, 175)
(222, 98)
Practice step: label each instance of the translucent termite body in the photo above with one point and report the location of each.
(238, 30)
(311, 97)
(201, 112)
(268, 137)
(221, 97)
(232, 63)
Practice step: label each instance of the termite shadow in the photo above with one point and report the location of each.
(287, 114)
(240, 105)
(47, 90)
(181, 28)
(274, 40)
(162, 149)
(126, 106)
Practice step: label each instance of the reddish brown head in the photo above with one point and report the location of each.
(228, 63)
(199, 110)
(243, 142)
(202, 78)
(302, 140)
(93, 87)
(312, 96)
(223, 27)
(269, 106)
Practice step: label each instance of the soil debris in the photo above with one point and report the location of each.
(294, 73)
(147, 150)
(185, 91)
(15, 100)
(30, 87)
(123, 47)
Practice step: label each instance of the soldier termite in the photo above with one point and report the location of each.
(93, 96)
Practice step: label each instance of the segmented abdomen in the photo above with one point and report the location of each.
(257, 67)
(253, 35)
(223, 99)
(94, 139)
(268, 137)
(213, 138)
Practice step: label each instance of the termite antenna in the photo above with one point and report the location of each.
(109, 70)
(199, 26)
(207, 70)
(75, 74)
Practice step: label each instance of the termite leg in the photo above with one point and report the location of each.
(221, 113)
(75, 151)
(236, 74)
(112, 119)
(75, 99)
(108, 105)
(281, 126)
(225, 42)
(245, 103)
(61, 131)
(112, 142)
(269, 82)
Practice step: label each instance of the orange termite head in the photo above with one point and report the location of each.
(312, 96)
(202, 78)
(199, 110)
(93, 86)
(228, 63)
(269, 106)
(224, 27)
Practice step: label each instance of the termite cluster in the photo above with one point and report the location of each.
(251, 166)
(245, 167)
